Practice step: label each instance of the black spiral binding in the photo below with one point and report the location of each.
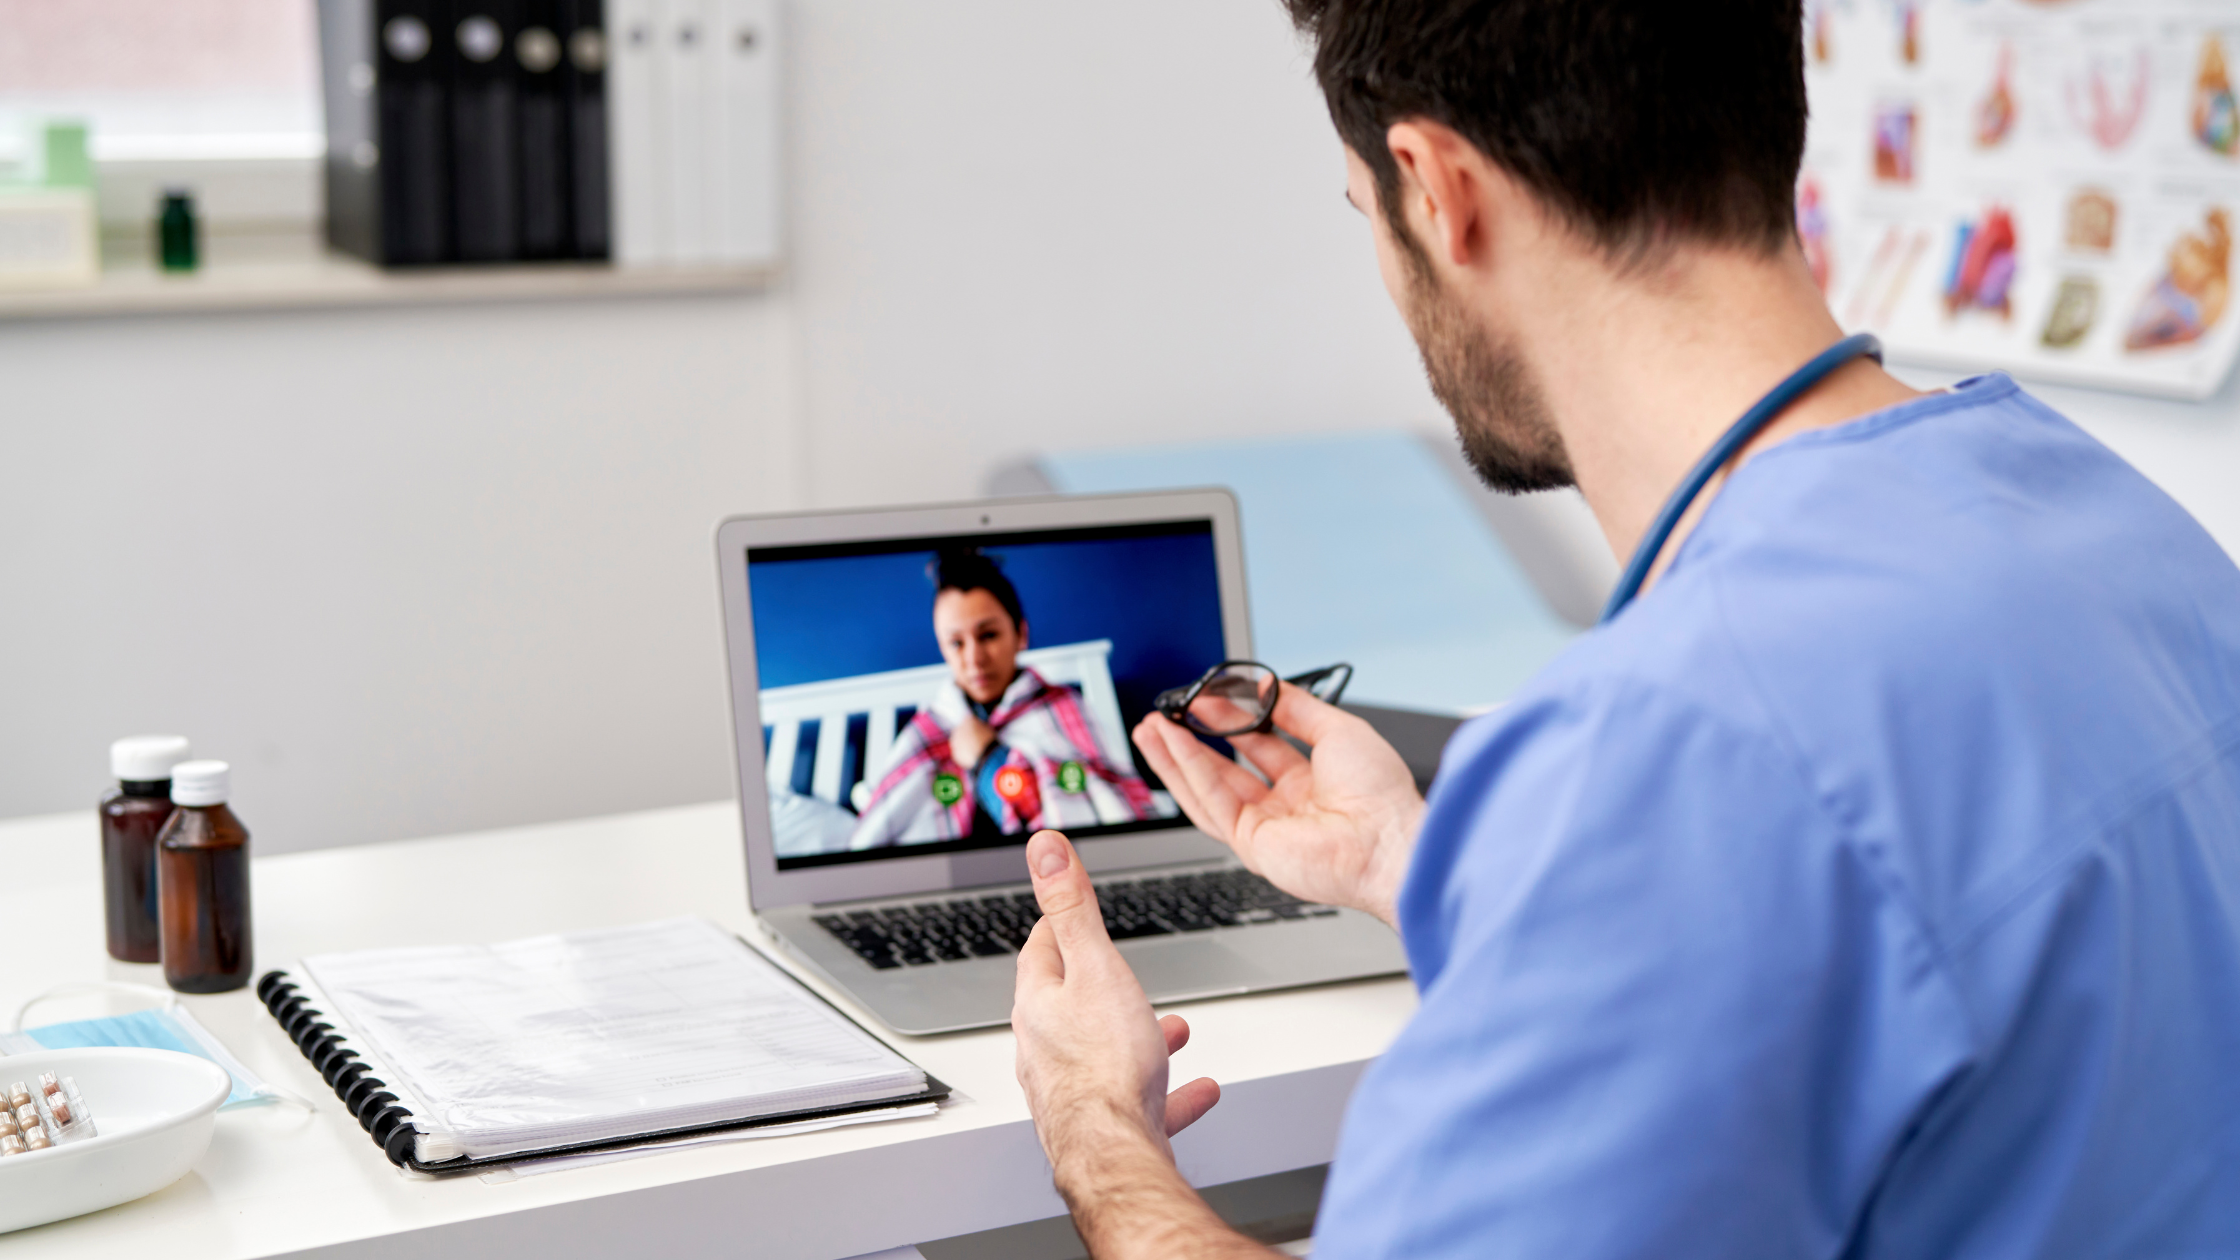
(382, 1115)
(366, 1095)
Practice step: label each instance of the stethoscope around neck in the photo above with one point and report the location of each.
(1753, 422)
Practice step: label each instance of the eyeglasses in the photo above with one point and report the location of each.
(1239, 697)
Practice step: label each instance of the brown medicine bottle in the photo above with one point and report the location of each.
(131, 814)
(202, 884)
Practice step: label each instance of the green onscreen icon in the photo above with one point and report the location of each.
(948, 789)
(1073, 777)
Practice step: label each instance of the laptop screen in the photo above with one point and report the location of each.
(931, 695)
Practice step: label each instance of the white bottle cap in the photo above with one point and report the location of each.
(200, 783)
(147, 758)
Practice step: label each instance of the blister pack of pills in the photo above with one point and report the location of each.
(42, 1114)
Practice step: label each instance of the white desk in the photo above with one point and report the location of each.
(278, 1182)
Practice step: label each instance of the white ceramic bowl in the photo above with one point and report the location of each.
(154, 1110)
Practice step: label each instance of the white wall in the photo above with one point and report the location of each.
(1029, 225)
(411, 571)
(420, 571)
(423, 571)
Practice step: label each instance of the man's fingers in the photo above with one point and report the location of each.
(1040, 962)
(1177, 1032)
(1061, 886)
(1273, 754)
(1221, 787)
(1187, 1104)
(1307, 719)
(1151, 738)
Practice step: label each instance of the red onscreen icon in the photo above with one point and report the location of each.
(1015, 784)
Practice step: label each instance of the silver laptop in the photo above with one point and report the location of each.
(916, 691)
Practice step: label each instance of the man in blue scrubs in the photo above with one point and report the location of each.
(1870, 886)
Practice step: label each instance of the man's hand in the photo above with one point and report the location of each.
(1091, 1056)
(1093, 1061)
(1336, 828)
(971, 741)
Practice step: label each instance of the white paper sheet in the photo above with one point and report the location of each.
(560, 1163)
(595, 1035)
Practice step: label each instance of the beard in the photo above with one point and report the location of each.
(1500, 415)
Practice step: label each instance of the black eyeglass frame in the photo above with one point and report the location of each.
(1175, 702)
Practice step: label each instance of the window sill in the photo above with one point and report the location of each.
(293, 270)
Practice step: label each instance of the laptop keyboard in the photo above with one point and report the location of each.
(958, 929)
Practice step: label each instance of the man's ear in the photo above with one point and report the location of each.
(1022, 636)
(1444, 186)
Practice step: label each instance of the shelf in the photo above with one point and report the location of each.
(295, 270)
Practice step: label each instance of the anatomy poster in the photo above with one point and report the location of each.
(2049, 187)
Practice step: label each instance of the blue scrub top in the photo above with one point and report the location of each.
(1870, 887)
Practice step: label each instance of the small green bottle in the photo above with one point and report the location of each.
(175, 231)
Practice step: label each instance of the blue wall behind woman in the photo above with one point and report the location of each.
(1158, 599)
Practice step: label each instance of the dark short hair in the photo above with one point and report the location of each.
(970, 569)
(1640, 123)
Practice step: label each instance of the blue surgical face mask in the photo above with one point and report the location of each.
(163, 1029)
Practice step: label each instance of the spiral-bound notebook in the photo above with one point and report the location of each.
(456, 1058)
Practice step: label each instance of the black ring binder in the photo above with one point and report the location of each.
(385, 1118)
(398, 1147)
(354, 1094)
(370, 1107)
(385, 1125)
(375, 1109)
(330, 1061)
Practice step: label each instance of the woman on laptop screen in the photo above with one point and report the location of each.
(938, 694)
(999, 750)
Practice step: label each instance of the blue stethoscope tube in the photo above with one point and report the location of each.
(1757, 418)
